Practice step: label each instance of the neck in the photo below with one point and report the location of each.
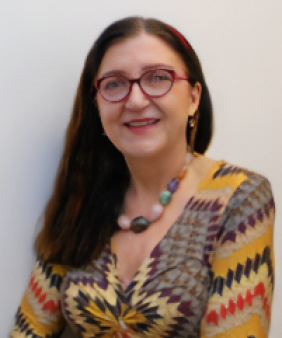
(150, 175)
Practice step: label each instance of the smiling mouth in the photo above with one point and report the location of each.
(138, 124)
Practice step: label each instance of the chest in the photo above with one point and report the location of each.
(166, 289)
(132, 251)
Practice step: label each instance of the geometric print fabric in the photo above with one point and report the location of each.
(40, 312)
(210, 276)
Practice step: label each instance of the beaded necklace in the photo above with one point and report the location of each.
(140, 223)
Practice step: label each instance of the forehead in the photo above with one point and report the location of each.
(134, 54)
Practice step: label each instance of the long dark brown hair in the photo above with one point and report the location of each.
(92, 178)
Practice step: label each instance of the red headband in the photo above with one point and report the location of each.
(180, 36)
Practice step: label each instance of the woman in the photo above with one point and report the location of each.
(142, 237)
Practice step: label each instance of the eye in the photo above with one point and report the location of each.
(112, 83)
(158, 75)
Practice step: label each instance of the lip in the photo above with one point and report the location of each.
(149, 123)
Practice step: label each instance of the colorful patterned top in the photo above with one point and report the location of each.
(211, 276)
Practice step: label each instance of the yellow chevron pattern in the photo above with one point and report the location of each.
(211, 276)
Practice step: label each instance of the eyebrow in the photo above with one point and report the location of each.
(144, 68)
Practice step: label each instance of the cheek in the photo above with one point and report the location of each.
(177, 109)
(110, 119)
(107, 112)
(107, 123)
(179, 99)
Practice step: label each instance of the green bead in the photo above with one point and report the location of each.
(165, 197)
(139, 224)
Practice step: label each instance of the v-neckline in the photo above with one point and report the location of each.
(146, 259)
(200, 186)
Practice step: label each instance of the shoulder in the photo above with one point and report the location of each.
(250, 211)
(50, 268)
(231, 185)
(228, 188)
(248, 186)
(47, 275)
(241, 182)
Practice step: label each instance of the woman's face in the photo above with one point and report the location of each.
(141, 125)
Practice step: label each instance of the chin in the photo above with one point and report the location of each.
(145, 147)
(144, 151)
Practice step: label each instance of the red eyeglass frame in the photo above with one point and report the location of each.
(175, 76)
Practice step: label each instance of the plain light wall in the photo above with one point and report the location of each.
(42, 51)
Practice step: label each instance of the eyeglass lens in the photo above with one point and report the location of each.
(155, 83)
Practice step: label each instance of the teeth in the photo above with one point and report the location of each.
(140, 124)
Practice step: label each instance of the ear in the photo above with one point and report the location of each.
(196, 92)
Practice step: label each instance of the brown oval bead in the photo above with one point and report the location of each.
(139, 224)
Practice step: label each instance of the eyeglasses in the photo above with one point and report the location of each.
(154, 83)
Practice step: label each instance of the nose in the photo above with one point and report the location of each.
(136, 98)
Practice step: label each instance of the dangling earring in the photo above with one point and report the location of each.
(192, 128)
(191, 122)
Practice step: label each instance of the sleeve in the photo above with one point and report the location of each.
(39, 314)
(239, 304)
